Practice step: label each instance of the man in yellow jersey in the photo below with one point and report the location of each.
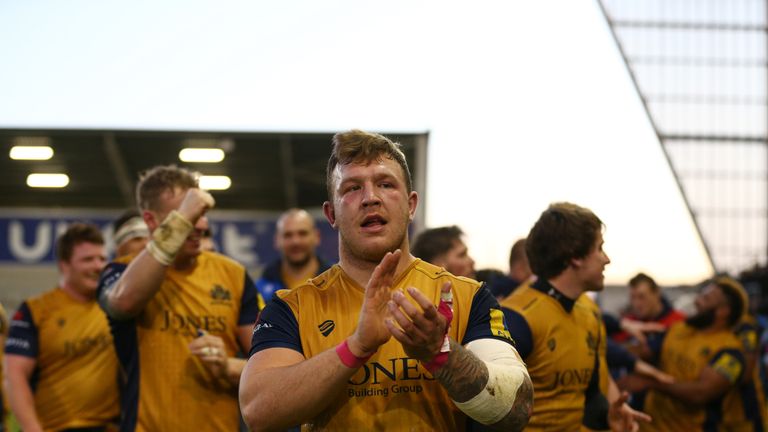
(179, 315)
(61, 368)
(745, 407)
(559, 330)
(296, 239)
(444, 247)
(373, 343)
(706, 359)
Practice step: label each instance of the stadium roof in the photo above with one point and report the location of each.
(699, 67)
(269, 171)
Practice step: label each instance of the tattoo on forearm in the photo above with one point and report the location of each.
(464, 376)
(521, 410)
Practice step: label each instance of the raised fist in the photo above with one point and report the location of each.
(196, 202)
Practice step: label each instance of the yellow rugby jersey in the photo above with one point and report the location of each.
(685, 352)
(168, 388)
(391, 391)
(561, 341)
(744, 406)
(597, 393)
(75, 382)
(603, 375)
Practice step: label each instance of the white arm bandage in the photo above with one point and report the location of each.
(168, 238)
(506, 373)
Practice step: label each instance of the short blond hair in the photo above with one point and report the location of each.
(364, 147)
(156, 180)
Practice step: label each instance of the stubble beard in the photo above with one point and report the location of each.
(371, 255)
(187, 254)
(84, 285)
(702, 320)
(298, 263)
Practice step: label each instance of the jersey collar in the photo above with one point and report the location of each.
(547, 288)
(395, 282)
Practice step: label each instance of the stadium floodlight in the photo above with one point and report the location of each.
(31, 152)
(215, 182)
(51, 180)
(201, 155)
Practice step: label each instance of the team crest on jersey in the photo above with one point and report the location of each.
(326, 327)
(551, 344)
(705, 352)
(220, 295)
(61, 322)
(591, 341)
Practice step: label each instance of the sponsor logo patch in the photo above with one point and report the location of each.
(728, 366)
(262, 325)
(498, 326)
(326, 327)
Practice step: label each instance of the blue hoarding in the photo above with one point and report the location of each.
(29, 238)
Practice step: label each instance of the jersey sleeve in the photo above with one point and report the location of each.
(612, 324)
(729, 363)
(747, 334)
(520, 332)
(486, 320)
(22, 337)
(655, 342)
(618, 357)
(249, 303)
(276, 328)
(107, 282)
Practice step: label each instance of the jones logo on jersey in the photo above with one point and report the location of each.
(188, 324)
(398, 369)
(78, 347)
(390, 373)
(570, 379)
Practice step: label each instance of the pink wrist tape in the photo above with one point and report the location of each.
(445, 308)
(347, 358)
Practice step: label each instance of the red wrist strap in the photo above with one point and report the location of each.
(347, 358)
(445, 308)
